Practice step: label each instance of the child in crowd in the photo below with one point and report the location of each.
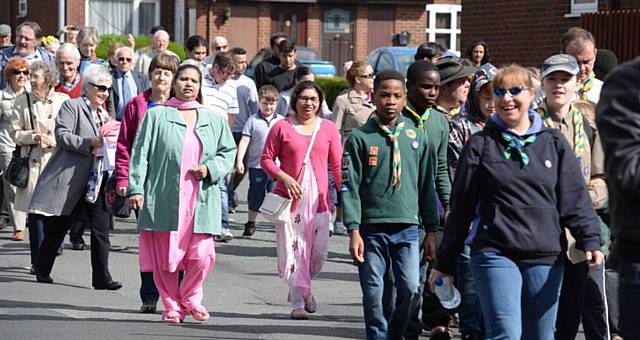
(254, 135)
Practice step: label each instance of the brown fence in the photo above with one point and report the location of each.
(618, 31)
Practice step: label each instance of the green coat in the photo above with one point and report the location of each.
(154, 171)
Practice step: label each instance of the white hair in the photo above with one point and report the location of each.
(119, 50)
(95, 73)
(159, 33)
(68, 48)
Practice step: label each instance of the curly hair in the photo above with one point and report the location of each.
(15, 64)
(51, 75)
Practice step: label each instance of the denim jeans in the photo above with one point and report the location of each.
(395, 246)
(519, 300)
(629, 297)
(36, 235)
(469, 309)
(222, 183)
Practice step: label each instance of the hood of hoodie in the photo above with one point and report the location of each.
(536, 124)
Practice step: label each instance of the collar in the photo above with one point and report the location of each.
(32, 55)
(119, 73)
(534, 117)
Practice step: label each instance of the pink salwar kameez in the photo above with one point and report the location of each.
(168, 252)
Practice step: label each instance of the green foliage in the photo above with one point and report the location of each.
(106, 40)
(332, 87)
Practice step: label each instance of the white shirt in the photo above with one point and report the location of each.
(221, 99)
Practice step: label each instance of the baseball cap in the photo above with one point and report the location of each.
(451, 69)
(559, 62)
(483, 75)
(5, 29)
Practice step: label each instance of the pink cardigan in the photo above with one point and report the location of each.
(286, 144)
(131, 118)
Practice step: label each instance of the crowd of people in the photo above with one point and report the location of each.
(496, 179)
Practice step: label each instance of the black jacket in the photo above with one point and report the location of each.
(517, 210)
(618, 120)
(142, 84)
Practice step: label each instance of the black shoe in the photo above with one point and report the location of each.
(78, 246)
(232, 210)
(118, 248)
(148, 307)
(43, 278)
(249, 229)
(113, 285)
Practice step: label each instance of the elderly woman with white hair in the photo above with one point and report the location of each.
(32, 125)
(88, 40)
(60, 194)
(159, 44)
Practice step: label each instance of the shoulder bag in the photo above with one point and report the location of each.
(276, 208)
(17, 172)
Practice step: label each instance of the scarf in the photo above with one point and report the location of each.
(183, 105)
(585, 87)
(579, 134)
(515, 144)
(422, 119)
(393, 137)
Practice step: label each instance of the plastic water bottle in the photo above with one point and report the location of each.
(448, 295)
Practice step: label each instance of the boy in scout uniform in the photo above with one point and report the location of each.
(582, 294)
(388, 192)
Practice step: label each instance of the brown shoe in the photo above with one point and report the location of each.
(18, 236)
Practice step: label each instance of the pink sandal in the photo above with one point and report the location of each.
(172, 317)
(200, 315)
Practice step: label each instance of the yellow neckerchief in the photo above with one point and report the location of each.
(421, 119)
(447, 113)
(584, 88)
(579, 134)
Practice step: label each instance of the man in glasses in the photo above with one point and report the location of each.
(26, 46)
(218, 44)
(5, 35)
(127, 82)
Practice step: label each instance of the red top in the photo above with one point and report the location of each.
(76, 92)
(290, 147)
(131, 118)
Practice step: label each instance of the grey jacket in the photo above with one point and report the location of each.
(63, 181)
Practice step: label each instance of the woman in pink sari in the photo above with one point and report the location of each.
(302, 242)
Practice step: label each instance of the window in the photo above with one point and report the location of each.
(583, 6)
(384, 63)
(444, 25)
(122, 16)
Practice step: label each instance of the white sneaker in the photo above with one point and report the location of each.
(226, 235)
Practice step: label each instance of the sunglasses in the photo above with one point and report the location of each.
(101, 88)
(514, 91)
(17, 72)
(368, 76)
(125, 59)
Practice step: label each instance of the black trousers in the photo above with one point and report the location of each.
(56, 227)
(582, 297)
(236, 178)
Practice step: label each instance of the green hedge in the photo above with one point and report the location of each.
(141, 41)
(332, 87)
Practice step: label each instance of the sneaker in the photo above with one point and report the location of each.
(339, 228)
(226, 235)
(249, 229)
(148, 307)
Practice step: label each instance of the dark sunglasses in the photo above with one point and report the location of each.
(101, 88)
(368, 76)
(17, 72)
(125, 59)
(514, 91)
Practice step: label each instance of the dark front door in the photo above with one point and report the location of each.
(292, 20)
(337, 35)
(380, 30)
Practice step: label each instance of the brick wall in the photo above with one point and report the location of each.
(213, 13)
(361, 33)
(75, 12)
(521, 31)
(45, 13)
(413, 19)
(264, 24)
(314, 27)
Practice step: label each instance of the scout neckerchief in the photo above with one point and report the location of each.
(517, 144)
(579, 134)
(422, 119)
(585, 87)
(393, 137)
(447, 113)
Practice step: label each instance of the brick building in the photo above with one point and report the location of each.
(339, 30)
(529, 31)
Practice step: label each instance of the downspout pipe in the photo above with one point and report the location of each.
(62, 18)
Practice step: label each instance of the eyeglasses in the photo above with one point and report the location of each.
(220, 48)
(368, 76)
(17, 72)
(306, 99)
(514, 91)
(121, 59)
(101, 88)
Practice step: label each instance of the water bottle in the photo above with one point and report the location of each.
(448, 295)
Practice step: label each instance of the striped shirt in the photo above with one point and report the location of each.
(220, 98)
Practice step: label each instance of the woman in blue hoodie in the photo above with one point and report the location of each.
(516, 185)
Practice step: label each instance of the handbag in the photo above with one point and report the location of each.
(117, 205)
(276, 208)
(17, 172)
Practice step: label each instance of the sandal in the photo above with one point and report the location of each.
(299, 314)
(310, 304)
(200, 315)
(172, 317)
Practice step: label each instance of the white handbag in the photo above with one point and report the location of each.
(277, 209)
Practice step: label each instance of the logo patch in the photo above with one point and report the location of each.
(547, 163)
(345, 162)
(586, 171)
(415, 145)
(373, 151)
(410, 133)
(373, 161)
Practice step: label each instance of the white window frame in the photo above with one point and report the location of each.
(453, 31)
(577, 9)
(135, 23)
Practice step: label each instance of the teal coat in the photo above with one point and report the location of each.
(154, 171)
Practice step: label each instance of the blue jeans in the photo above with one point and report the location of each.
(36, 235)
(469, 309)
(395, 246)
(224, 198)
(629, 297)
(259, 185)
(519, 300)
